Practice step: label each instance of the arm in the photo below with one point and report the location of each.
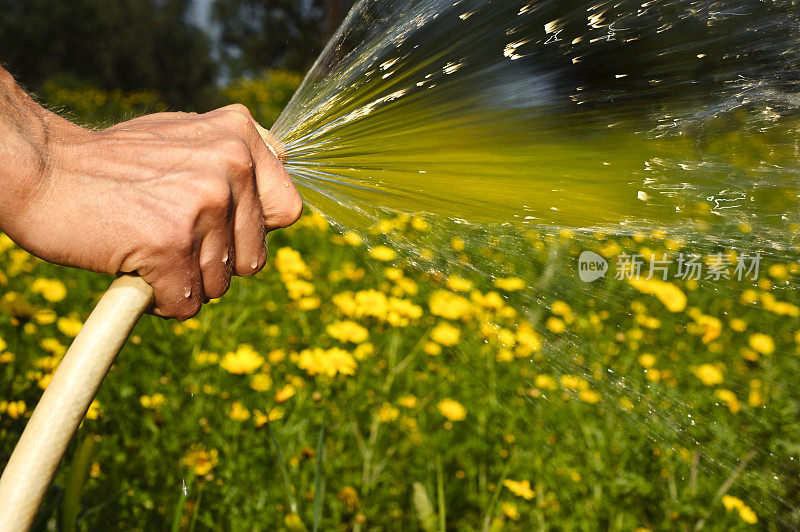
(184, 200)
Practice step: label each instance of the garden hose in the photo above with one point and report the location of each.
(36, 457)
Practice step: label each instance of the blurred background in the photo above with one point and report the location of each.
(99, 62)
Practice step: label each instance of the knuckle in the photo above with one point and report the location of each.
(239, 118)
(235, 156)
(212, 193)
(178, 240)
(240, 108)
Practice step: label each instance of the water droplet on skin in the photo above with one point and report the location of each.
(188, 293)
(254, 264)
(225, 258)
(286, 184)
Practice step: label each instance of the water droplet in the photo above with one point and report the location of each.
(225, 258)
(184, 489)
(187, 293)
(286, 184)
(254, 264)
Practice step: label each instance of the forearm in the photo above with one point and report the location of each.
(24, 141)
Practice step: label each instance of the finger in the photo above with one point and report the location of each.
(178, 289)
(280, 201)
(235, 162)
(281, 204)
(216, 261)
(249, 233)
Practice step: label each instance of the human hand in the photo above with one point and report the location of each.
(183, 200)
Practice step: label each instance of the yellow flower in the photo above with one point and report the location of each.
(318, 361)
(446, 334)
(400, 312)
(491, 300)
(52, 290)
(670, 295)
(781, 308)
(556, 325)
(755, 398)
(5, 243)
(748, 515)
(510, 284)
(520, 488)
(14, 409)
(200, 460)
(290, 264)
(778, 271)
(285, 393)
(449, 305)
(244, 360)
(363, 351)
(510, 510)
(53, 346)
(383, 253)
(262, 419)
(708, 327)
(388, 413)
(762, 343)
(348, 331)
(298, 289)
(419, 223)
(261, 382)
(545, 382)
(528, 340)
(457, 244)
(393, 274)
(432, 348)
(239, 412)
(561, 308)
(94, 411)
(729, 398)
(276, 356)
(459, 284)
(738, 325)
(154, 401)
(731, 503)
(44, 316)
(353, 238)
(452, 409)
(69, 326)
(3, 345)
(709, 374)
(589, 396)
(573, 382)
(309, 303)
(647, 360)
(408, 401)
(349, 496)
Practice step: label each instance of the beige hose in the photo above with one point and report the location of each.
(38, 453)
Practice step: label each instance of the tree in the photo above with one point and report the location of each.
(132, 45)
(285, 34)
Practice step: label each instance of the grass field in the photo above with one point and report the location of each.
(342, 387)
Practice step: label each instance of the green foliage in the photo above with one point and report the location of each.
(130, 45)
(284, 34)
(98, 107)
(265, 96)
